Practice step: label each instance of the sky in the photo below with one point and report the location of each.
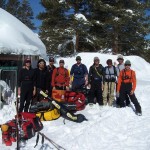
(37, 8)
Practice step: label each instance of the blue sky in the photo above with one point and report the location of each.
(37, 7)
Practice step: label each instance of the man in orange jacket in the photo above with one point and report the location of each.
(60, 77)
(127, 85)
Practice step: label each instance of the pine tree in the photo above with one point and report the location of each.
(123, 23)
(26, 14)
(52, 31)
(21, 10)
(60, 29)
(3, 4)
(12, 7)
(111, 24)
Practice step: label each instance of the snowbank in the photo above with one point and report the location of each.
(16, 38)
(141, 67)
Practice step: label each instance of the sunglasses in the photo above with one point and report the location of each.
(51, 61)
(119, 59)
(127, 65)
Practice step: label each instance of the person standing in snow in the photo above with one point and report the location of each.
(42, 78)
(95, 80)
(120, 67)
(60, 77)
(51, 68)
(110, 75)
(127, 85)
(26, 85)
(79, 73)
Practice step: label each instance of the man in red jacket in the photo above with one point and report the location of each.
(60, 77)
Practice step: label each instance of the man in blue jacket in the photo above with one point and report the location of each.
(79, 73)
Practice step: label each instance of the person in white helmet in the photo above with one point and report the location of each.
(119, 68)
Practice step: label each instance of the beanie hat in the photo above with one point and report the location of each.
(109, 61)
(120, 57)
(78, 58)
(51, 59)
(61, 61)
(127, 62)
(27, 60)
(96, 58)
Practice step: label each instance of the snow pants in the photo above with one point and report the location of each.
(127, 101)
(25, 98)
(108, 93)
(96, 91)
(125, 89)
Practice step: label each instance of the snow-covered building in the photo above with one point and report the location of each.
(17, 42)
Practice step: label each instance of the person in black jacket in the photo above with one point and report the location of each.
(42, 78)
(50, 69)
(26, 85)
(95, 79)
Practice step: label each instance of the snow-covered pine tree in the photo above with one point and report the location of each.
(53, 25)
(64, 27)
(123, 24)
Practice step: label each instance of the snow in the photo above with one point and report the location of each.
(16, 38)
(80, 17)
(116, 19)
(107, 128)
(129, 10)
(61, 1)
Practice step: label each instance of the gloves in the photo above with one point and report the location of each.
(117, 94)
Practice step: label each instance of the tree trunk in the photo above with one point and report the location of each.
(77, 42)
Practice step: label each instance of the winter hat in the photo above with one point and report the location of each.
(51, 59)
(127, 62)
(62, 61)
(96, 58)
(27, 60)
(109, 61)
(78, 58)
(120, 57)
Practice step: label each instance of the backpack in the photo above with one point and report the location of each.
(125, 77)
(31, 117)
(76, 98)
(58, 73)
(111, 79)
(115, 71)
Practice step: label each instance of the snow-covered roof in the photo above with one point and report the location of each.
(17, 38)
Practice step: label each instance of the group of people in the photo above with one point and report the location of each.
(103, 82)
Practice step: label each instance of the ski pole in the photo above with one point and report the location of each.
(17, 123)
(58, 147)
